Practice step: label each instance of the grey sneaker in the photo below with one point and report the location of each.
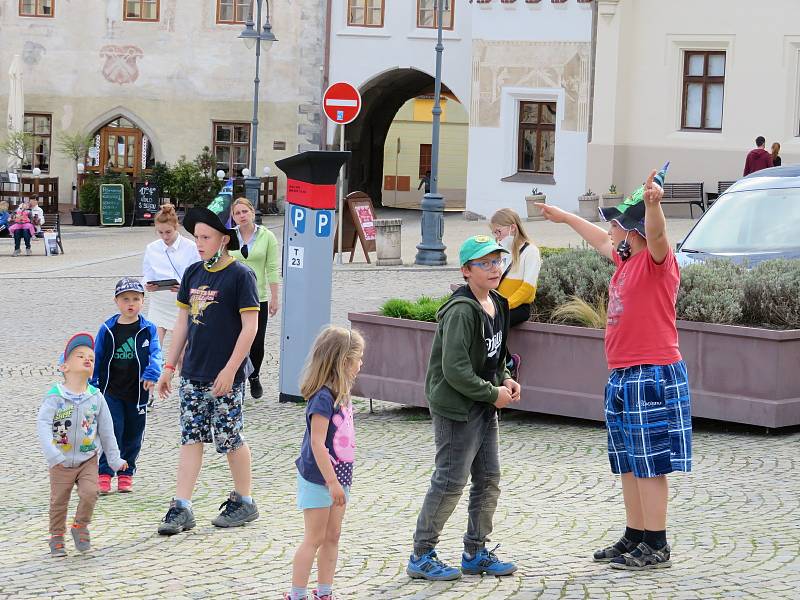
(27, 251)
(16, 253)
(57, 546)
(643, 558)
(176, 520)
(80, 535)
(235, 513)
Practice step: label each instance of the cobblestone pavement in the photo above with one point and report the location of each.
(733, 522)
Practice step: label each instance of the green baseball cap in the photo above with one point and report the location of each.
(476, 247)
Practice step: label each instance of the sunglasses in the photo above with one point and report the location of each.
(244, 250)
(487, 265)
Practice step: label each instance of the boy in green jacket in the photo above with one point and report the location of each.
(467, 382)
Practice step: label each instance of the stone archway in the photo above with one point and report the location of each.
(381, 98)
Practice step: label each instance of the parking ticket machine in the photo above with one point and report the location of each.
(309, 230)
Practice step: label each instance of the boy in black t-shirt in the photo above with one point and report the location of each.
(217, 322)
(127, 366)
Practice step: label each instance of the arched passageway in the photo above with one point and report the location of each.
(381, 98)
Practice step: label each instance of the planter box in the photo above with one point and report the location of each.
(737, 374)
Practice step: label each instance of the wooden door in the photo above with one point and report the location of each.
(121, 150)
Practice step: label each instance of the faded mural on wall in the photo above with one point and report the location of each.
(120, 66)
(499, 64)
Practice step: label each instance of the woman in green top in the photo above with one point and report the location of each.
(258, 249)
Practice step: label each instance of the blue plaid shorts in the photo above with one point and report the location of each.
(649, 420)
(206, 418)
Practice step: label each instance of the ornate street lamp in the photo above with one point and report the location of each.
(430, 251)
(255, 35)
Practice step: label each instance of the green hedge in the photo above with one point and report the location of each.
(717, 291)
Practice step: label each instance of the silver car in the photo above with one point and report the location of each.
(756, 219)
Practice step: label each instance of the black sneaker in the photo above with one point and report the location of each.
(256, 391)
(176, 520)
(235, 513)
(643, 558)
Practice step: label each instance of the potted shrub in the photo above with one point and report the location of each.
(75, 146)
(588, 205)
(612, 197)
(739, 335)
(89, 200)
(534, 214)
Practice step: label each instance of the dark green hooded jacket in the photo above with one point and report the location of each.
(458, 355)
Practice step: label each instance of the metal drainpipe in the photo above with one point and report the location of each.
(591, 73)
(326, 70)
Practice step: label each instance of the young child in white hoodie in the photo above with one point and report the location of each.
(70, 420)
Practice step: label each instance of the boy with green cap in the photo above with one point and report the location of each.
(647, 403)
(467, 382)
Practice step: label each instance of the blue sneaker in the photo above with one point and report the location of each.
(485, 561)
(429, 567)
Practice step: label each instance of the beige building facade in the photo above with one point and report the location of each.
(407, 154)
(693, 83)
(155, 80)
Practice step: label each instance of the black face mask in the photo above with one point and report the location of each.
(624, 248)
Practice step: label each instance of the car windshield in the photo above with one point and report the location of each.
(749, 222)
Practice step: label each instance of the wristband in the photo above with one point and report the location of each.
(170, 367)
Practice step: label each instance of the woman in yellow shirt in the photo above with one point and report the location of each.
(520, 269)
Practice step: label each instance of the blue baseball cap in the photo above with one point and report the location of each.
(476, 247)
(76, 341)
(128, 284)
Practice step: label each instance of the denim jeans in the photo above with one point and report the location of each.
(19, 235)
(463, 449)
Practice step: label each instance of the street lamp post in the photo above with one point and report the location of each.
(255, 34)
(430, 251)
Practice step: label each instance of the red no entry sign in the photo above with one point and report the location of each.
(341, 102)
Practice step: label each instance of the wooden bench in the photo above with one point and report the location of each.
(685, 193)
(722, 187)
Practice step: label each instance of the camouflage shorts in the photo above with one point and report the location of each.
(206, 418)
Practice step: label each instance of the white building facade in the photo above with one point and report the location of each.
(693, 83)
(520, 68)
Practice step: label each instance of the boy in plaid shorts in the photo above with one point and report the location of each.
(647, 404)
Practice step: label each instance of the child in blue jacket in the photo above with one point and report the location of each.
(127, 366)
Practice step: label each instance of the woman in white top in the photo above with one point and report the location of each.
(166, 258)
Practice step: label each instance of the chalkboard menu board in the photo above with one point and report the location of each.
(148, 201)
(112, 204)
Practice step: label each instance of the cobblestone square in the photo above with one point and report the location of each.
(733, 522)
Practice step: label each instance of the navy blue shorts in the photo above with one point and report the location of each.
(649, 420)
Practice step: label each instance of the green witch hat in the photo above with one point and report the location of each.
(630, 214)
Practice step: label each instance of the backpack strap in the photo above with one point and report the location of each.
(508, 268)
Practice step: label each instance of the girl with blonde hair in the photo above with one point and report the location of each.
(325, 465)
(258, 249)
(166, 258)
(520, 270)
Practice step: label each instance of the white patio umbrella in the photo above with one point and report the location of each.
(16, 105)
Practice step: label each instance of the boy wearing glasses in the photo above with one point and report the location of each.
(467, 382)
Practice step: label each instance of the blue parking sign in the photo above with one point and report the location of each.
(323, 224)
(298, 217)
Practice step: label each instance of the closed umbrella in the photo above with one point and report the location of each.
(16, 105)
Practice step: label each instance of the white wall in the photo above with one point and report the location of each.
(640, 60)
(493, 150)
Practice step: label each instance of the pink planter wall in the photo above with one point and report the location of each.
(737, 374)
